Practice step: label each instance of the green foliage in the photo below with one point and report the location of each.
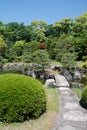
(39, 29)
(84, 58)
(31, 46)
(41, 57)
(51, 47)
(80, 34)
(84, 64)
(12, 71)
(19, 47)
(1, 59)
(2, 46)
(21, 98)
(4, 60)
(65, 51)
(78, 92)
(84, 98)
(27, 57)
(81, 46)
(62, 37)
(84, 80)
(68, 59)
(11, 54)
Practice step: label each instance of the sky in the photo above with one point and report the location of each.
(50, 11)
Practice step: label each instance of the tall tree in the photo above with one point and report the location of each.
(65, 50)
(42, 58)
(39, 29)
(80, 34)
(19, 47)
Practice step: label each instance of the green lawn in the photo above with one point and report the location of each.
(52, 99)
(45, 121)
(78, 92)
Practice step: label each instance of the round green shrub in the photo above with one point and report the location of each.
(84, 98)
(21, 98)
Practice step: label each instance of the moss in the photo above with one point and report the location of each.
(21, 98)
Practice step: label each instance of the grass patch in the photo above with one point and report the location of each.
(79, 64)
(52, 99)
(78, 92)
(54, 63)
(44, 122)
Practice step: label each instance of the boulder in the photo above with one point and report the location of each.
(61, 81)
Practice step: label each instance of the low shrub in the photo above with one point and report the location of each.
(84, 80)
(21, 98)
(84, 98)
(12, 71)
(84, 64)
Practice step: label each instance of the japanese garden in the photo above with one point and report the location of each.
(28, 56)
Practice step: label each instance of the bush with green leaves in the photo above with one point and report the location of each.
(84, 80)
(84, 98)
(85, 65)
(21, 98)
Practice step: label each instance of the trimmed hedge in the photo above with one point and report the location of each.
(21, 98)
(84, 98)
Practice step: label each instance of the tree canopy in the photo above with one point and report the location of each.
(67, 37)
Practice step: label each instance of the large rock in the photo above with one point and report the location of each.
(49, 83)
(67, 75)
(77, 75)
(61, 81)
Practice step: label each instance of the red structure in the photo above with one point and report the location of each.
(42, 46)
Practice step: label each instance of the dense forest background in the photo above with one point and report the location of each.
(63, 40)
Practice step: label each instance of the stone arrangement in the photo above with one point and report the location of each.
(72, 76)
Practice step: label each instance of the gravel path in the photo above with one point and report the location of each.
(71, 115)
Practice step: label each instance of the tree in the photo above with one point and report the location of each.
(41, 57)
(39, 29)
(1, 28)
(65, 51)
(27, 57)
(66, 25)
(11, 32)
(31, 46)
(11, 54)
(80, 34)
(2, 46)
(29, 49)
(19, 47)
(69, 59)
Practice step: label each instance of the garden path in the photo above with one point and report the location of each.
(71, 115)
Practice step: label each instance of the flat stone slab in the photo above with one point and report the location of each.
(75, 116)
(66, 93)
(71, 106)
(64, 88)
(67, 128)
(61, 81)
